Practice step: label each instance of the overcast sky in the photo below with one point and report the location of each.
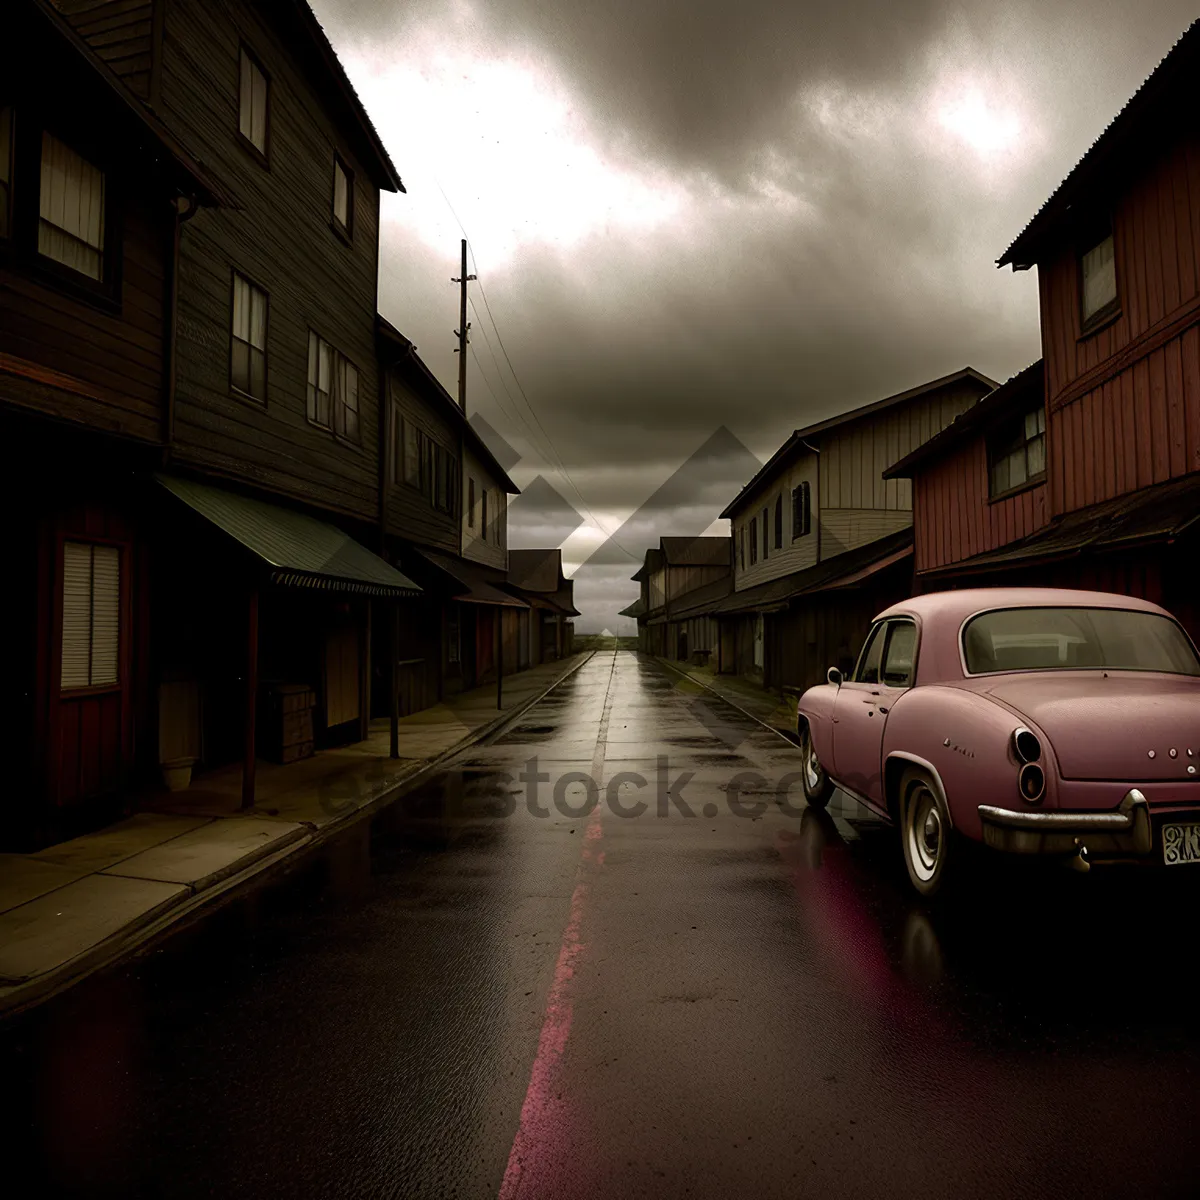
(702, 225)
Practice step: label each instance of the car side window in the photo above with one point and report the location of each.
(898, 657)
(867, 670)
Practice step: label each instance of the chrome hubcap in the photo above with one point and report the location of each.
(924, 833)
(812, 768)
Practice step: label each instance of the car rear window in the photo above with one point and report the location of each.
(1043, 639)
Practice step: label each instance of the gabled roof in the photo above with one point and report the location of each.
(1022, 390)
(1167, 94)
(383, 170)
(155, 140)
(536, 570)
(697, 551)
(396, 350)
(636, 609)
(797, 443)
(652, 562)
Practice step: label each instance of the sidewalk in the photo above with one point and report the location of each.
(779, 713)
(72, 908)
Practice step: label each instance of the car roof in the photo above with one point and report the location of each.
(956, 606)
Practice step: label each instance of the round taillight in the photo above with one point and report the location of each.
(1032, 782)
(1025, 743)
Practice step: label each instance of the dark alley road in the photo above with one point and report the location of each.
(484, 993)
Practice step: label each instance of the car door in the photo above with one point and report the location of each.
(883, 672)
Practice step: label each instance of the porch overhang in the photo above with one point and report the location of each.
(473, 586)
(296, 550)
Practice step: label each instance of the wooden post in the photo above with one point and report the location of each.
(499, 658)
(364, 675)
(250, 749)
(395, 681)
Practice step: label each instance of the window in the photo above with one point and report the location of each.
(471, 503)
(1017, 453)
(1110, 639)
(91, 615)
(412, 455)
(483, 521)
(867, 670)
(753, 540)
(779, 521)
(6, 124)
(428, 467)
(320, 380)
(898, 658)
(343, 196)
(252, 102)
(1098, 282)
(742, 548)
(766, 532)
(248, 350)
(801, 511)
(71, 228)
(345, 407)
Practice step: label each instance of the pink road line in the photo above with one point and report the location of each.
(542, 1113)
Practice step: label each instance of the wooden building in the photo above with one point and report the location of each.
(548, 632)
(441, 483)
(678, 573)
(215, 328)
(1082, 470)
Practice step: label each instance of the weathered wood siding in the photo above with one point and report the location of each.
(953, 518)
(82, 361)
(121, 32)
(474, 546)
(281, 238)
(681, 580)
(796, 554)
(410, 514)
(1124, 402)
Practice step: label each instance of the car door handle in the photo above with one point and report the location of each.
(883, 708)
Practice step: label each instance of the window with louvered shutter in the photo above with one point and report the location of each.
(71, 225)
(91, 621)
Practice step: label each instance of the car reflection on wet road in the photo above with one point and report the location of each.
(726, 995)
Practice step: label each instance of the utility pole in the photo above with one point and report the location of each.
(463, 327)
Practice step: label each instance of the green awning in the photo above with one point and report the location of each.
(299, 550)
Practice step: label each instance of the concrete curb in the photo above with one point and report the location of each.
(159, 922)
(722, 696)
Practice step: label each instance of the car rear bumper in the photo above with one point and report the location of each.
(1125, 831)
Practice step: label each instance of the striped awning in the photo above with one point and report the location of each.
(297, 550)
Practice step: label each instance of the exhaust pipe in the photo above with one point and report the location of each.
(1079, 862)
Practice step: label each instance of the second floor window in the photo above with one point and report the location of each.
(427, 466)
(6, 119)
(343, 196)
(470, 504)
(801, 510)
(483, 520)
(1098, 282)
(71, 225)
(766, 532)
(742, 549)
(779, 521)
(248, 344)
(332, 389)
(253, 95)
(1017, 453)
(753, 540)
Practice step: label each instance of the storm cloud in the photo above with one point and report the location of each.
(693, 217)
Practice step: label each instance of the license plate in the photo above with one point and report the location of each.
(1181, 844)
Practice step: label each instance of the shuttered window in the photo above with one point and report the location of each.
(253, 99)
(766, 532)
(753, 540)
(320, 380)
(248, 352)
(71, 225)
(6, 121)
(91, 615)
(343, 195)
(801, 510)
(412, 455)
(779, 521)
(1098, 291)
(470, 504)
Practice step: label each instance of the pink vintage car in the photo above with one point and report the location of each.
(1034, 720)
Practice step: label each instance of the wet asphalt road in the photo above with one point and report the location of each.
(464, 998)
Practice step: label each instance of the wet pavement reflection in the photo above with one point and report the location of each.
(508, 984)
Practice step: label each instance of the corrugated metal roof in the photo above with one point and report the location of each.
(1155, 514)
(300, 550)
(1128, 127)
